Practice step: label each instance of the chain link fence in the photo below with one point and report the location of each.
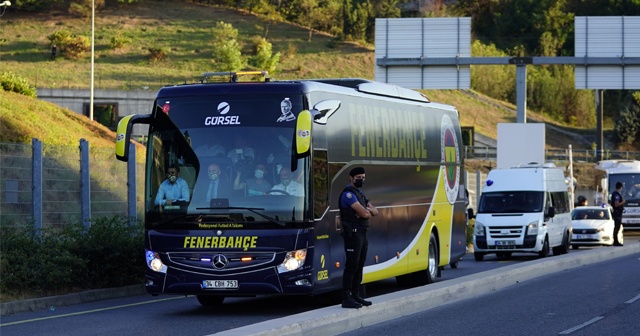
(58, 194)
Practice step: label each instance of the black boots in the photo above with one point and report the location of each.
(360, 300)
(353, 300)
(348, 301)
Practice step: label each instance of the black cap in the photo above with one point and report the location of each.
(581, 198)
(356, 171)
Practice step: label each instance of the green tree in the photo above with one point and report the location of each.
(264, 59)
(627, 126)
(227, 54)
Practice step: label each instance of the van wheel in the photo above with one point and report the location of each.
(564, 247)
(545, 249)
(479, 256)
(210, 300)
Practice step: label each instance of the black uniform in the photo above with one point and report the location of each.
(354, 232)
(617, 216)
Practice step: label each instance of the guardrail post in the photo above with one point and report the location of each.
(131, 184)
(85, 185)
(36, 184)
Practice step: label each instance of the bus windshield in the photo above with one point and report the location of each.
(225, 159)
(630, 185)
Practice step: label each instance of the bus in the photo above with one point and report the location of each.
(275, 242)
(628, 173)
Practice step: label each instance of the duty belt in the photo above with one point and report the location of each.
(361, 230)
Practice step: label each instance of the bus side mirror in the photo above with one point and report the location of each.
(303, 133)
(123, 133)
(324, 109)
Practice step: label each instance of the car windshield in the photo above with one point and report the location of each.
(579, 214)
(235, 162)
(511, 201)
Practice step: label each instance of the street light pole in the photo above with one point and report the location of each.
(4, 6)
(93, 28)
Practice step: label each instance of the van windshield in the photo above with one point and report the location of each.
(511, 201)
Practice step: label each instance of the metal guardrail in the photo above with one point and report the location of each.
(579, 155)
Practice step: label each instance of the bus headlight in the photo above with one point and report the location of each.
(532, 229)
(293, 260)
(478, 229)
(154, 262)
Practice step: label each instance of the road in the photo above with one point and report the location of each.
(599, 299)
(168, 315)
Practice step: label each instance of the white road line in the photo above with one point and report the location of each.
(634, 299)
(592, 321)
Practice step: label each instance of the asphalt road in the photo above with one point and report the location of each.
(168, 315)
(597, 299)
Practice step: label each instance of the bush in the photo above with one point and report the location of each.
(72, 47)
(118, 42)
(157, 54)
(57, 261)
(14, 83)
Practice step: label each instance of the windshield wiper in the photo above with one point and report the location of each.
(254, 210)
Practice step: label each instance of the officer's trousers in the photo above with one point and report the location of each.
(355, 248)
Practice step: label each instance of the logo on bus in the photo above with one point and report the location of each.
(223, 119)
(450, 154)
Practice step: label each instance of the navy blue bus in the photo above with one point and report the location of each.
(247, 240)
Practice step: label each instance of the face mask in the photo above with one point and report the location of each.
(173, 178)
(213, 176)
(286, 182)
(259, 174)
(358, 183)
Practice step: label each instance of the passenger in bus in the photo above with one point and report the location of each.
(288, 184)
(253, 186)
(219, 184)
(242, 152)
(174, 189)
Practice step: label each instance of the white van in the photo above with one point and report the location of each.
(523, 209)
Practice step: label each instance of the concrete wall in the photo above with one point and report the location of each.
(127, 102)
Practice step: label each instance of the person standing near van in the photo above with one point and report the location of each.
(355, 211)
(617, 202)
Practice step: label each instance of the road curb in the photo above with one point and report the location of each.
(335, 320)
(13, 307)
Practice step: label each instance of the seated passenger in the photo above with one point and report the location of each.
(173, 189)
(256, 185)
(287, 184)
(220, 185)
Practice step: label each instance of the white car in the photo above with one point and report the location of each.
(593, 226)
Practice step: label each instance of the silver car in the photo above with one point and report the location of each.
(593, 226)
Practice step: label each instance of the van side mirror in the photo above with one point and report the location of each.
(551, 212)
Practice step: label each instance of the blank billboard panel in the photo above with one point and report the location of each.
(607, 36)
(418, 39)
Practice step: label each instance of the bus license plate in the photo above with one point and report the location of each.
(505, 242)
(220, 284)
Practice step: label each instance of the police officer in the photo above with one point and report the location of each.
(355, 211)
(617, 202)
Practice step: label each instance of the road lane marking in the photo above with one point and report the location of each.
(89, 311)
(634, 299)
(592, 321)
